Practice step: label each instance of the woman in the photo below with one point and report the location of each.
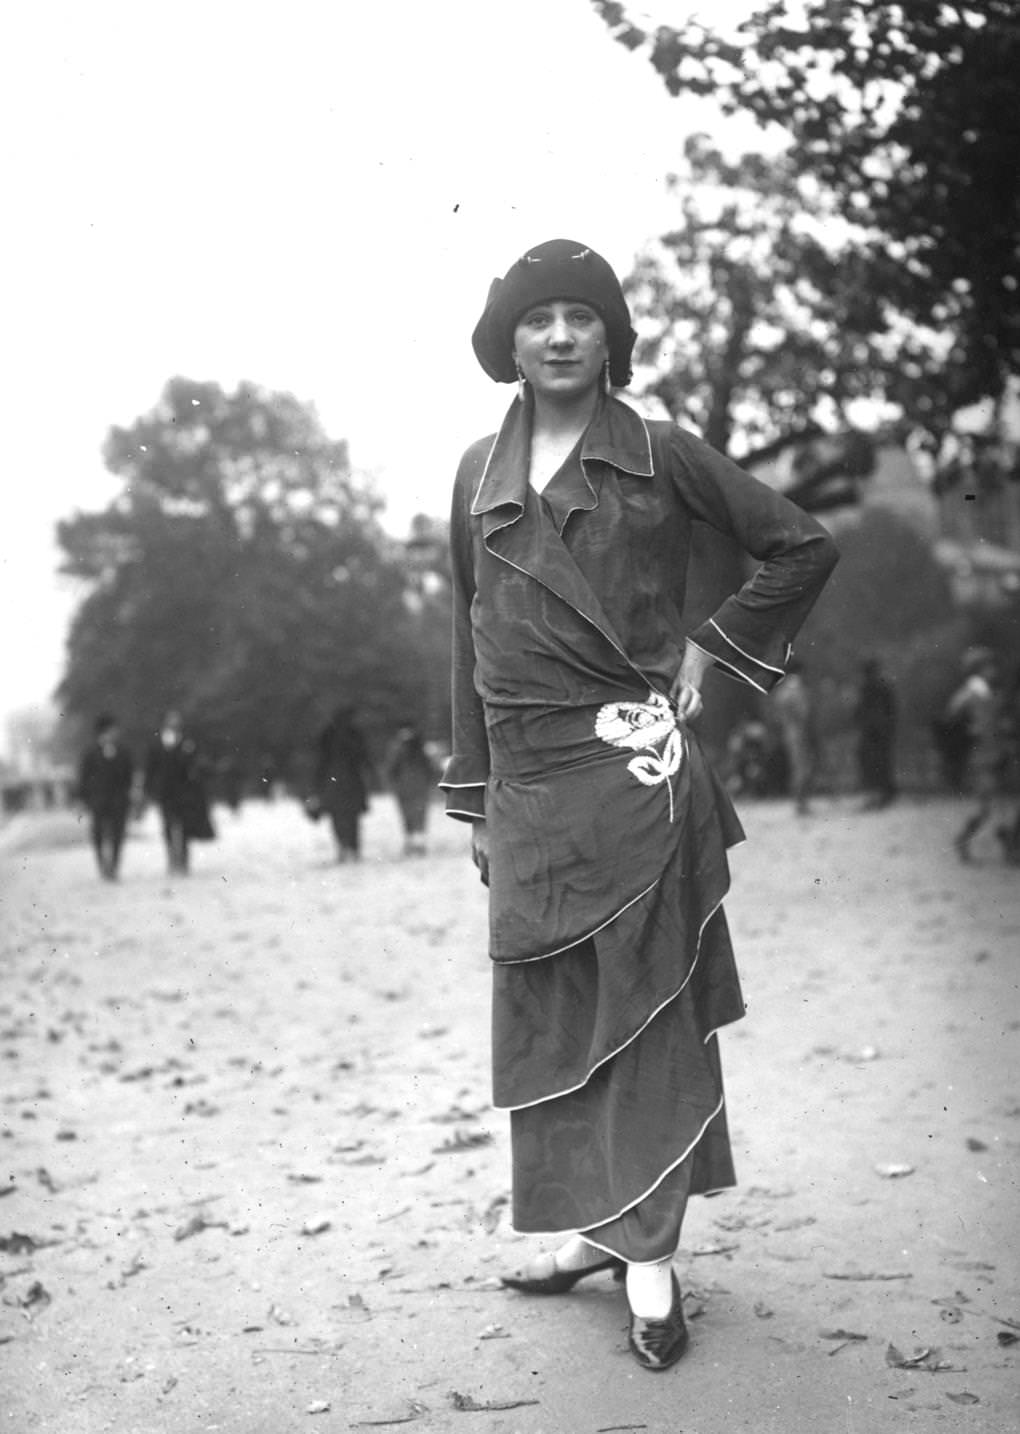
(875, 720)
(343, 780)
(597, 824)
(411, 775)
(174, 781)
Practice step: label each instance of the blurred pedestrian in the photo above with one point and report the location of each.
(1009, 832)
(756, 765)
(977, 703)
(875, 721)
(175, 781)
(411, 775)
(596, 821)
(105, 779)
(343, 780)
(794, 709)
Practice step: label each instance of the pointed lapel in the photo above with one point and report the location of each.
(513, 527)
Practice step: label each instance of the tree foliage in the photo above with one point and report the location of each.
(754, 320)
(241, 576)
(905, 112)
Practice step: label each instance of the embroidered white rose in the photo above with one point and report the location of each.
(641, 727)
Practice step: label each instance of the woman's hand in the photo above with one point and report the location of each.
(685, 691)
(480, 849)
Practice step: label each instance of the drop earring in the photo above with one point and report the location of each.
(607, 382)
(521, 380)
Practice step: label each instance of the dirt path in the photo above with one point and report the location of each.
(252, 1182)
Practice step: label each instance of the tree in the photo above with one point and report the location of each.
(240, 576)
(905, 112)
(753, 322)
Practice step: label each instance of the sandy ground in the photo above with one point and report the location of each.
(252, 1182)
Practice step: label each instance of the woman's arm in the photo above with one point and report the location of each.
(750, 635)
(467, 769)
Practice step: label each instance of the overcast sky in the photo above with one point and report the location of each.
(311, 195)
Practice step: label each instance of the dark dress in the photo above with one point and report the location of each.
(875, 719)
(608, 829)
(174, 780)
(104, 786)
(411, 774)
(342, 780)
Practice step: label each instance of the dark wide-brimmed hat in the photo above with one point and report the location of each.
(558, 269)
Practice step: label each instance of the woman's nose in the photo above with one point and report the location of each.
(560, 331)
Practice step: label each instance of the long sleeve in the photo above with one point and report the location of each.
(750, 634)
(467, 769)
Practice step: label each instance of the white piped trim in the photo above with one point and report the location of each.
(527, 1105)
(735, 671)
(477, 512)
(631, 1203)
(526, 960)
(737, 648)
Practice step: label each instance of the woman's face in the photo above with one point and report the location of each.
(560, 348)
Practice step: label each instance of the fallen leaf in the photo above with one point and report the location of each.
(866, 1275)
(36, 1294)
(465, 1402)
(762, 1310)
(18, 1244)
(415, 1409)
(713, 1249)
(921, 1359)
(316, 1225)
(964, 1397)
(463, 1140)
(320, 1406)
(1006, 1337)
(492, 1214)
(973, 1144)
(494, 1331)
(844, 1334)
(894, 1171)
(196, 1225)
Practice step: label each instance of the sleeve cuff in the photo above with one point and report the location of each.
(466, 804)
(463, 783)
(760, 672)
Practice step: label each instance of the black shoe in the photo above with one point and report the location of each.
(560, 1281)
(658, 1343)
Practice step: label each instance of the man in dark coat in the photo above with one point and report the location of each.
(173, 780)
(343, 779)
(104, 787)
(875, 720)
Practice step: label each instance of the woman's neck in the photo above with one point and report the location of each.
(563, 419)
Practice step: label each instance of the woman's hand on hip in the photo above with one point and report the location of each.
(685, 691)
(480, 849)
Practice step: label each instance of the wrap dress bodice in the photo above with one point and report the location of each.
(568, 630)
